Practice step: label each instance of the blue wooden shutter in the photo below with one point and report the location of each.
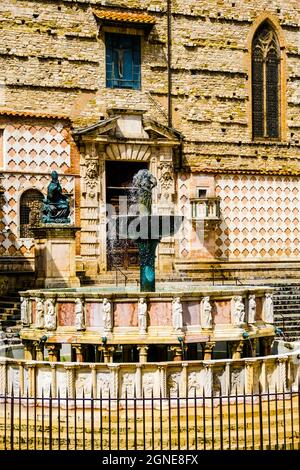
(131, 76)
(136, 61)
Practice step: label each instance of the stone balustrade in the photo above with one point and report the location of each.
(185, 378)
(205, 208)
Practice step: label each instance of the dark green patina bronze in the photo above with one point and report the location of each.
(56, 207)
(144, 228)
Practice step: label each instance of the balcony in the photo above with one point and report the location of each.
(206, 208)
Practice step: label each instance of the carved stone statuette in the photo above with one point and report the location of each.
(79, 315)
(50, 314)
(107, 315)
(177, 312)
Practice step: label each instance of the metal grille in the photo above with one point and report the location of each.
(30, 212)
(234, 421)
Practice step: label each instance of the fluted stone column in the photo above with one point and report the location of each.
(208, 385)
(70, 370)
(184, 382)
(249, 376)
(281, 373)
(94, 379)
(3, 379)
(21, 378)
(31, 379)
(162, 380)
(138, 380)
(114, 369)
(53, 380)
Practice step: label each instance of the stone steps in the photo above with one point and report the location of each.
(10, 317)
(287, 310)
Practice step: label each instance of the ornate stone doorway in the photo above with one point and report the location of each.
(120, 253)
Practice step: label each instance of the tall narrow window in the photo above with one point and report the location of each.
(265, 83)
(30, 211)
(123, 61)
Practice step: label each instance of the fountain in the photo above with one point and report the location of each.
(145, 228)
(97, 321)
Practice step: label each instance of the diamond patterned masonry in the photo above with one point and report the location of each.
(260, 217)
(36, 148)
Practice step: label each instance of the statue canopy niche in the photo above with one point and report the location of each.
(56, 207)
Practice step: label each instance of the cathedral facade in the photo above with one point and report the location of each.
(205, 94)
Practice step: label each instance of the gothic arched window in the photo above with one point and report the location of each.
(265, 83)
(30, 211)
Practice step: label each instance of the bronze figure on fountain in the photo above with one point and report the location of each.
(56, 207)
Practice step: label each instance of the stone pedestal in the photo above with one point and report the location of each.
(55, 252)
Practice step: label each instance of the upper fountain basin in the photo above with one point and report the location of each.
(145, 227)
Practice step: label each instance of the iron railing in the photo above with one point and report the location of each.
(247, 421)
